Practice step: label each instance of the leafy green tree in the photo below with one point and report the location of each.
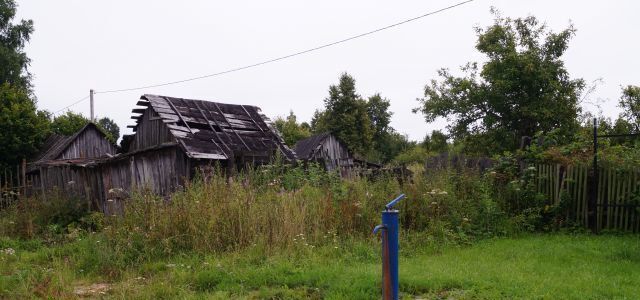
(13, 37)
(630, 104)
(22, 127)
(319, 122)
(110, 128)
(523, 88)
(379, 114)
(68, 123)
(346, 116)
(436, 142)
(291, 130)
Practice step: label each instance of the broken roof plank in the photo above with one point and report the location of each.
(138, 110)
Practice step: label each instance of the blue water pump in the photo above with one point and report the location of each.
(389, 228)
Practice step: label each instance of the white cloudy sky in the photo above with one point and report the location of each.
(80, 44)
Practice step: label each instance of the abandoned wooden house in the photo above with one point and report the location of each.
(66, 163)
(174, 137)
(329, 152)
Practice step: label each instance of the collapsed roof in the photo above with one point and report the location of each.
(212, 130)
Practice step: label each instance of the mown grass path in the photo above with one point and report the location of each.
(554, 266)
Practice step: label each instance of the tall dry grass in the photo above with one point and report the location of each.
(215, 214)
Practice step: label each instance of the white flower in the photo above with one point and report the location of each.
(9, 251)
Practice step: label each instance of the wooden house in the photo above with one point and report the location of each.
(328, 151)
(174, 137)
(63, 163)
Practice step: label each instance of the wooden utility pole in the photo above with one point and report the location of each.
(91, 103)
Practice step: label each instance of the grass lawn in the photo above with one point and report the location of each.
(551, 266)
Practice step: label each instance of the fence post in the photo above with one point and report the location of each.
(593, 195)
(24, 177)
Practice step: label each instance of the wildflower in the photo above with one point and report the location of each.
(109, 200)
(335, 247)
(9, 251)
(442, 193)
(171, 265)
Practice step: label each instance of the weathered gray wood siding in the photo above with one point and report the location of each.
(150, 132)
(88, 144)
(335, 156)
(161, 171)
(72, 181)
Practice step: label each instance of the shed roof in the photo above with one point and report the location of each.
(55, 144)
(212, 130)
(304, 148)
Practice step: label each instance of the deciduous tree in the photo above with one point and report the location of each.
(22, 127)
(521, 89)
(630, 104)
(291, 130)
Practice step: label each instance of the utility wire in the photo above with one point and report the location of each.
(286, 56)
(72, 104)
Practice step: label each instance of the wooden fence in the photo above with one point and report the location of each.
(614, 205)
(13, 184)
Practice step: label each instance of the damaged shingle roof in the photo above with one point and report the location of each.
(304, 148)
(212, 130)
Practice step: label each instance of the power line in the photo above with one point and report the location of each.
(72, 104)
(287, 56)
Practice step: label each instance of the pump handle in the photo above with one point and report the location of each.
(394, 202)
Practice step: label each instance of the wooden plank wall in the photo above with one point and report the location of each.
(161, 171)
(150, 131)
(617, 202)
(73, 181)
(89, 144)
(335, 156)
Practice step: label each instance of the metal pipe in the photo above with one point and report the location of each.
(390, 249)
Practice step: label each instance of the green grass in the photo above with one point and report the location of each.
(555, 266)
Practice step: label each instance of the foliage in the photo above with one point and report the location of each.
(413, 154)
(68, 123)
(436, 142)
(389, 145)
(13, 37)
(630, 104)
(71, 122)
(22, 127)
(291, 130)
(363, 125)
(110, 128)
(523, 88)
(346, 116)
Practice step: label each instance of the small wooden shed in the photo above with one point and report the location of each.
(328, 151)
(63, 163)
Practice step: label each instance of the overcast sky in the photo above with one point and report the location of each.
(79, 45)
